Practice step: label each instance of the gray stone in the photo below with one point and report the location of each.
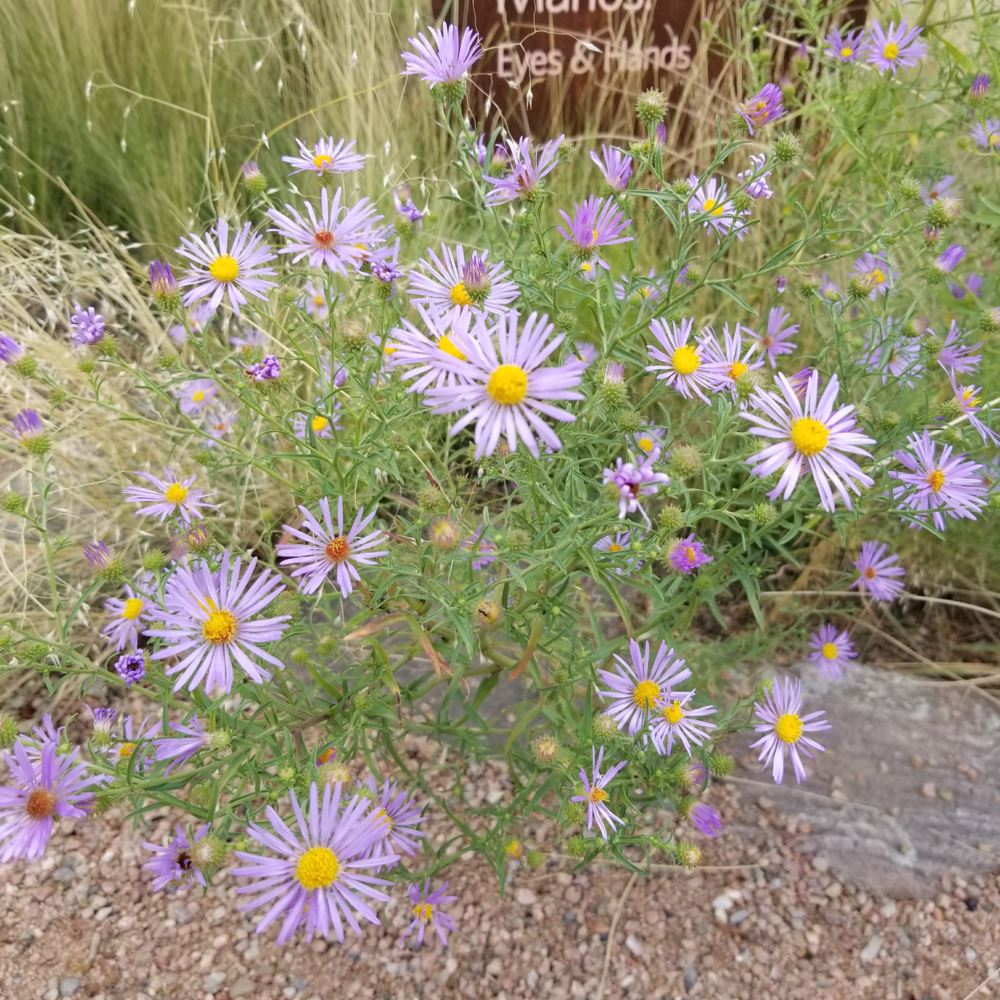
(870, 951)
(213, 981)
(69, 986)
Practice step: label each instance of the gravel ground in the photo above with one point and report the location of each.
(83, 923)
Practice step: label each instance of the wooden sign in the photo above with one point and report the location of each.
(572, 64)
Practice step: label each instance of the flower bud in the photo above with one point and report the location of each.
(431, 499)
(13, 503)
(687, 854)
(720, 764)
(254, 181)
(630, 421)
(651, 108)
(487, 614)
(671, 518)
(208, 853)
(685, 461)
(154, 561)
(605, 728)
(576, 846)
(333, 773)
(787, 148)
(763, 514)
(445, 533)
(909, 187)
(8, 730)
(545, 749)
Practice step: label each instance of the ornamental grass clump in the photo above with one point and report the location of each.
(497, 464)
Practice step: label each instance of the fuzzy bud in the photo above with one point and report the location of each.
(513, 849)
(720, 764)
(487, 614)
(787, 148)
(685, 461)
(333, 774)
(688, 855)
(445, 533)
(682, 189)
(764, 514)
(909, 188)
(630, 421)
(451, 92)
(208, 853)
(576, 847)
(431, 499)
(26, 366)
(888, 421)
(254, 181)
(534, 859)
(671, 518)
(154, 561)
(545, 749)
(13, 503)
(605, 728)
(651, 108)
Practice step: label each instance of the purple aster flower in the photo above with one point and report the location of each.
(226, 269)
(168, 496)
(321, 548)
(42, 734)
(131, 668)
(328, 156)
(676, 719)
(219, 421)
(688, 554)
(957, 356)
(484, 550)
(172, 864)
(319, 876)
(763, 108)
(426, 909)
(844, 46)
(634, 482)
(979, 86)
(507, 390)
(939, 189)
(132, 739)
(251, 173)
(441, 283)
(832, 651)
(937, 484)
(615, 166)
(209, 623)
(811, 437)
(98, 555)
(405, 206)
(878, 572)
(785, 728)
(777, 340)
(645, 289)
(314, 300)
(709, 204)
(180, 749)
(10, 349)
(729, 361)
(828, 289)
(53, 785)
(399, 817)
(615, 545)
(875, 273)
(595, 795)
(336, 237)
(26, 427)
(319, 425)
(636, 687)
(424, 354)
(680, 364)
(705, 819)
(103, 720)
(973, 285)
(446, 57)
(596, 222)
(888, 354)
(162, 281)
(898, 47)
(88, 325)
(970, 401)
(986, 134)
(694, 776)
(196, 396)
(266, 370)
(527, 168)
(649, 441)
(755, 178)
(949, 259)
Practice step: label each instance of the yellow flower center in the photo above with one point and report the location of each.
(809, 436)
(846, 52)
(646, 694)
(317, 868)
(712, 207)
(385, 818)
(593, 235)
(319, 301)
(788, 728)
(220, 627)
(198, 396)
(891, 51)
(322, 161)
(877, 275)
(224, 268)
(424, 912)
(829, 651)
(645, 291)
(673, 713)
(508, 385)
(690, 554)
(40, 804)
(614, 547)
(645, 443)
(738, 368)
(685, 360)
(176, 493)
(994, 138)
(460, 295)
(586, 266)
(935, 480)
(598, 795)
(319, 424)
(337, 549)
(132, 609)
(970, 398)
(446, 344)
(126, 750)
